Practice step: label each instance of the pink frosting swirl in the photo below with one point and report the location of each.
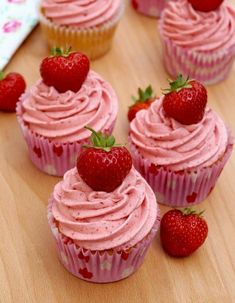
(83, 13)
(61, 117)
(197, 30)
(166, 142)
(99, 220)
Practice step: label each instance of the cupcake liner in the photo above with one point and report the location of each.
(94, 42)
(100, 266)
(183, 188)
(207, 67)
(151, 8)
(48, 156)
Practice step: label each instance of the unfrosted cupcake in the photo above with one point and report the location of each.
(87, 26)
(53, 122)
(152, 8)
(181, 162)
(198, 44)
(102, 235)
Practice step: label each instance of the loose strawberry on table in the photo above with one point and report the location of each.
(182, 232)
(185, 100)
(65, 70)
(206, 5)
(12, 86)
(103, 165)
(143, 101)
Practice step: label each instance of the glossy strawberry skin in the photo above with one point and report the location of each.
(102, 170)
(65, 72)
(11, 88)
(187, 106)
(205, 5)
(133, 110)
(182, 234)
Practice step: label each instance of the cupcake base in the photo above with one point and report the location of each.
(151, 8)
(94, 42)
(100, 266)
(182, 188)
(48, 156)
(208, 68)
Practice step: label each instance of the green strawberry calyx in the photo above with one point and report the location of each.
(143, 95)
(100, 140)
(178, 84)
(2, 76)
(190, 211)
(58, 51)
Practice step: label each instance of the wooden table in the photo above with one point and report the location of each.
(29, 268)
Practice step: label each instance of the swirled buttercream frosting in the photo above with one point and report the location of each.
(99, 220)
(81, 13)
(165, 142)
(199, 31)
(61, 117)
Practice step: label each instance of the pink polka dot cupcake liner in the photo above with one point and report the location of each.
(100, 267)
(206, 67)
(50, 157)
(152, 8)
(183, 188)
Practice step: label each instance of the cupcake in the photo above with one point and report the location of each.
(103, 230)
(53, 112)
(87, 26)
(151, 8)
(197, 43)
(180, 145)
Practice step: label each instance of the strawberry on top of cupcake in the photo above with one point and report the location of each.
(178, 142)
(54, 111)
(104, 210)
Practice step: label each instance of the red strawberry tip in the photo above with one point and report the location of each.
(100, 140)
(177, 84)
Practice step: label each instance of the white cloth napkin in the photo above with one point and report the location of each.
(17, 19)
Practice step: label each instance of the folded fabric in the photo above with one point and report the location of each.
(18, 18)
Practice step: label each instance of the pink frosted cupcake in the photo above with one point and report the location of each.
(198, 44)
(53, 122)
(103, 235)
(88, 26)
(181, 162)
(152, 8)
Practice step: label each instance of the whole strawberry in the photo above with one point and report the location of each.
(103, 166)
(182, 232)
(185, 100)
(205, 5)
(12, 86)
(143, 101)
(65, 70)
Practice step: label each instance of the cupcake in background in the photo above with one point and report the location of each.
(180, 145)
(198, 39)
(152, 8)
(87, 26)
(103, 214)
(53, 112)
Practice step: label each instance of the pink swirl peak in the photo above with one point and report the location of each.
(165, 142)
(61, 117)
(83, 13)
(199, 31)
(99, 220)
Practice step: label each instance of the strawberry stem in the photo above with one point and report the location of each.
(100, 140)
(190, 211)
(57, 51)
(178, 84)
(143, 95)
(2, 76)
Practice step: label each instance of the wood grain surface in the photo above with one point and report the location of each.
(29, 268)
